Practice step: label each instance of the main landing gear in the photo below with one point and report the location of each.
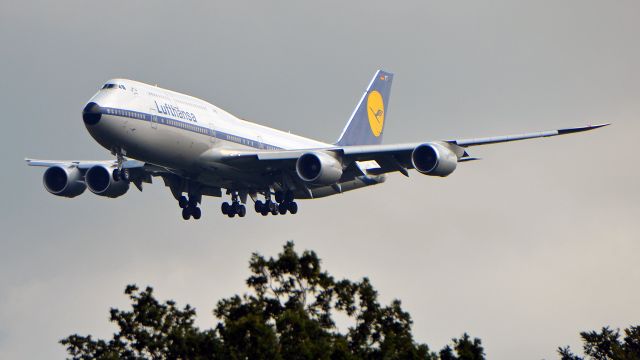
(235, 208)
(190, 207)
(284, 201)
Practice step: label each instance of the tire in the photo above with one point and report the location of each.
(233, 210)
(264, 212)
(124, 175)
(274, 211)
(225, 208)
(242, 211)
(116, 175)
(183, 202)
(196, 212)
(186, 213)
(279, 196)
(282, 208)
(293, 207)
(258, 206)
(236, 207)
(289, 196)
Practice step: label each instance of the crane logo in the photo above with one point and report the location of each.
(375, 112)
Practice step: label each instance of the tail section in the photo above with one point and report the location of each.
(367, 121)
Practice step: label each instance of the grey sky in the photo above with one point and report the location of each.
(524, 249)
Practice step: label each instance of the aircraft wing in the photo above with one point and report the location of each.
(499, 139)
(143, 171)
(85, 164)
(392, 157)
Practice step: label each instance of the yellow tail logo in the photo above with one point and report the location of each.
(375, 112)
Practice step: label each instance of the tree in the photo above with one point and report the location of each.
(465, 349)
(606, 345)
(150, 330)
(288, 313)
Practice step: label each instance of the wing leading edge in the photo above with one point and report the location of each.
(534, 135)
(377, 152)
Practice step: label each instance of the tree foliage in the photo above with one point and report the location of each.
(288, 313)
(607, 345)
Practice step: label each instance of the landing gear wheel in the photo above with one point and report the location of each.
(116, 175)
(293, 207)
(264, 212)
(186, 213)
(282, 208)
(124, 175)
(288, 197)
(274, 211)
(232, 210)
(183, 202)
(242, 210)
(279, 196)
(196, 212)
(258, 206)
(225, 208)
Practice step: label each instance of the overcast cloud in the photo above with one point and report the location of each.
(524, 249)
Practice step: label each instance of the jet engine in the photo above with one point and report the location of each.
(434, 159)
(100, 181)
(64, 181)
(319, 168)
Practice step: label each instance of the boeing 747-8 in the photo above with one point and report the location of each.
(200, 150)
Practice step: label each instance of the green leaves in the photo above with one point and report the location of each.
(150, 330)
(606, 345)
(288, 313)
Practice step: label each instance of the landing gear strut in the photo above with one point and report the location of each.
(120, 173)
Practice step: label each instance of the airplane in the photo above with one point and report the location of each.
(200, 150)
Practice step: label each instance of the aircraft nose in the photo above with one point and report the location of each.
(91, 113)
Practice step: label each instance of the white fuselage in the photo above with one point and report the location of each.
(171, 129)
(175, 131)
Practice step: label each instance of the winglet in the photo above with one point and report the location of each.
(582, 128)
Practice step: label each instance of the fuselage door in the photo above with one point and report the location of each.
(154, 121)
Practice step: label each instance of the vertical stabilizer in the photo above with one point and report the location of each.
(366, 125)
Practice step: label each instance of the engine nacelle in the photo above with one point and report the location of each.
(99, 179)
(319, 168)
(64, 181)
(434, 159)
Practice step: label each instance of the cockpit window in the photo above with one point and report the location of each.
(114, 86)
